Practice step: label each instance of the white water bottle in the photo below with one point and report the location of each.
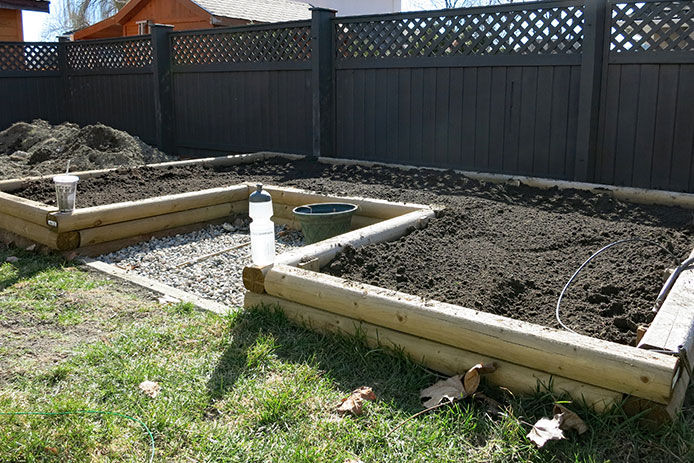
(262, 228)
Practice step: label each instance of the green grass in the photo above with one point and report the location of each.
(249, 387)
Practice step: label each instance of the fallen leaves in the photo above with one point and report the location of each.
(456, 387)
(150, 388)
(12, 259)
(354, 404)
(166, 300)
(547, 429)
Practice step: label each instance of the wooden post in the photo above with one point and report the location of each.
(323, 69)
(63, 42)
(591, 81)
(163, 88)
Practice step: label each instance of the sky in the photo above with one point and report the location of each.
(35, 22)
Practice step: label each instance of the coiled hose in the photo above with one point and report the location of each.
(663, 292)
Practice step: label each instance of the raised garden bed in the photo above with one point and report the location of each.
(118, 214)
(501, 249)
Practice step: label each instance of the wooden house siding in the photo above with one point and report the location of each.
(11, 25)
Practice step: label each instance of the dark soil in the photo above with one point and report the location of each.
(503, 249)
(40, 148)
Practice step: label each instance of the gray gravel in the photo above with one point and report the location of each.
(170, 260)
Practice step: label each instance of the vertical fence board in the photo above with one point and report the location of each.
(469, 111)
(427, 154)
(559, 116)
(442, 103)
(405, 109)
(497, 118)
(645, 126)
(455, 118)
(664, 126)
(482, 110)
(392, 130)
(527, 116)
(626, 130)
(684, 130)
(543, 121)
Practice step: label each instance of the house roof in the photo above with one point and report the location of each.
(257, 10)
(33, 5)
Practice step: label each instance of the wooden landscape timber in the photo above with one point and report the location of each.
(15, 184)
(439, 357)
(322, 252)
(592, 361)
(626, 194)
(672, 330)
(116, 231)
(39, 234)
(91, 217)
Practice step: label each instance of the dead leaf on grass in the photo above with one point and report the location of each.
(52, 450)
(166, 300)
(12, 259)
(352, 460)
(552, 429)
(150, 388)
(456, 387)
(545, 430)
(570, 420)
(355, 402)
(31, 248)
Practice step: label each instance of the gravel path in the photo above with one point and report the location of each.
(218, 277)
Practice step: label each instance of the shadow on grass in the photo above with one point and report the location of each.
(346, 361)
(28, 265)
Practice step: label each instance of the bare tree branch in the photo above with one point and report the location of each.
(78, 14)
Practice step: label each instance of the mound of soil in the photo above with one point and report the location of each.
(503, 249)
(40, 148)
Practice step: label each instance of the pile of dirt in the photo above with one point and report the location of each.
(40, 148)
(502, 249)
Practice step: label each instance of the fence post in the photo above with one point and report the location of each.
(64, 78)
(322, 70)
(163, 88)
(589, 93)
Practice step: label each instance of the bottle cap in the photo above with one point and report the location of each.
(259, 196)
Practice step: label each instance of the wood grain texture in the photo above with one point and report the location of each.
(439, 357)
(604, 364)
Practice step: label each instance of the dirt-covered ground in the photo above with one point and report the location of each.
(40, 148)
(498, 248)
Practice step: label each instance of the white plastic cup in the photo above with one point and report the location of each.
(66, 191)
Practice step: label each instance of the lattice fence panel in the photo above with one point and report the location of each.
(244, 46)
(652, 26)
(554, 30)
(121, 54)
(31, 57)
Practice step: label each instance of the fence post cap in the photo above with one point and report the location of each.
(162, 26)
(321, 9)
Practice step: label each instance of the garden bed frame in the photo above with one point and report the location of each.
(445, 337)
(451, 339)
(95, 230)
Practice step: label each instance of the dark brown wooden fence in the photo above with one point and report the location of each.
(243, 89)
(591, 90)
